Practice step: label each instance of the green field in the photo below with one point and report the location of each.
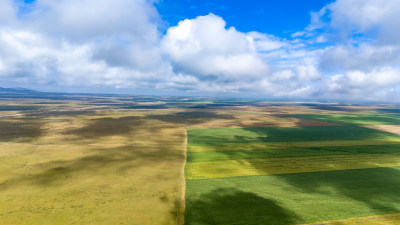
(290, 175)
(223, 136)
(293, 198)
(355, 119)
(393, 149)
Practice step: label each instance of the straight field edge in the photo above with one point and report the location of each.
(180, 213)
(387, 219)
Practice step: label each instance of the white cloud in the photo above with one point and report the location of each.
(204, 47)
(265, 42)
(7, 11)
(82, 43)
(365, 57)
(377, 84)
(84, 19)
(375, 19)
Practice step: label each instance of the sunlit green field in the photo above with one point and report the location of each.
(291, 175)
(293, 198)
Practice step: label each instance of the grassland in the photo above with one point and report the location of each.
(89, 167)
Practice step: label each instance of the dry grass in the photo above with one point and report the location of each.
(390, 219)
(395, 129)
(114, 167)
(250, 116)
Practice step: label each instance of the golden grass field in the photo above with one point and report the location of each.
(113, 167)
(369, 220)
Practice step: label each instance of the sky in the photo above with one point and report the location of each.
(336, 50)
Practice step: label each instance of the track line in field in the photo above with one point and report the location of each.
(180, 219)
(22, 173)
(380, 219)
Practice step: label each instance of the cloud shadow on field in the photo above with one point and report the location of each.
(232, 206)
(121, 159)
(252, 135)
(190, 117)
(377, 188)
(21, 108)
(108, 126)
(11, 130)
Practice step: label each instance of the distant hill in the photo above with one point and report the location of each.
(16, 90)
(28, 93)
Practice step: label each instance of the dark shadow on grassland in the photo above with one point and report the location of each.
(20, 130)
(337, 108)
(107, 126)
(19, 107)
(65, 113)
(355, 119)
(232, 206)
(377, 188)
(108, 160)
(318, 133)
(50, 114)
(254, 135)
(190, 117)
(388, 110)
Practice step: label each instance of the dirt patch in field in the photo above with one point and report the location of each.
(390, 219)
(394, 129)
(252, 117)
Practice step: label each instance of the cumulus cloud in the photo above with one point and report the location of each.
(378, 84)
(83, 19)
(204, 47)
(373, 17)
(364, 57)
(7, 11)
(81, 43)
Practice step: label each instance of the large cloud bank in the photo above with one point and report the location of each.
(350, 51)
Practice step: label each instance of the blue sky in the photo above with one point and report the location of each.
(319, 50)
(280, 18)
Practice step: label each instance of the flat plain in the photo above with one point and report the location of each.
(104, 159)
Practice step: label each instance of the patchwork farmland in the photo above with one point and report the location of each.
(295, 175)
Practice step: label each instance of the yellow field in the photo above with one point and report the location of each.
(390, 219)
(265, 166)
(277, 145)
(116, 167)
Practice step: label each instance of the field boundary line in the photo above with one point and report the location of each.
(180, 212)
(355, 219)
